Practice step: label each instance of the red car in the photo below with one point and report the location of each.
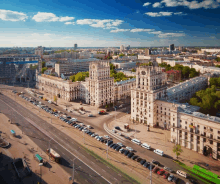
(165, 175)
(155, 169)
(160, 172)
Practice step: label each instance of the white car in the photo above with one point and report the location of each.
(84, 129)
(120, 144)
(90, 115)
(129, 148)
(93, 135)
(107, 137)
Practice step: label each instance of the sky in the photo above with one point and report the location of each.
(138, 23)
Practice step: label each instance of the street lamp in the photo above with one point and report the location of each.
(41, 164)
(107, 148)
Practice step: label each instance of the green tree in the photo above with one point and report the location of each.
(43, 69)
(112, 67)
(133, 70)
(72, 78)
(55, 99)
(213, 81)
(177, 150)
(218, 59)
(120, 55)
(43, 64)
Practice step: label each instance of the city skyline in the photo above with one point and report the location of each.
(110, 24)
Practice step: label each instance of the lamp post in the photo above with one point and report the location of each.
(41, 164)
(107, 148)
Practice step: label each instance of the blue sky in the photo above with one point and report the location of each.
(109, 23)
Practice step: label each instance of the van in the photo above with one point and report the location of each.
(145, 145)
(136, 141)
(38, 158)
(181, 173)
(159, 152)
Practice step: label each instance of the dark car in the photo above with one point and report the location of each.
(139, 159)
(193, 181)
(112, 145)
(146, 164)
(142, 161)
(175, 179)
(109, 143)
(155, 170)
(165, 175)
(150, 166)
(156, 162)
(130, 155)
(126, 137)
(118, 148)
(134, 157)
(126, 152)
(117, 128)
(115, 146)
(81, 128)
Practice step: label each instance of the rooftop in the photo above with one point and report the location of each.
(125, 81)
(184, 85)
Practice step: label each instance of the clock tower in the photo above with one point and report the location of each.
(150, 86)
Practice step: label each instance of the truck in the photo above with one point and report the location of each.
(21, 167)
(102, 112)
(53, 155)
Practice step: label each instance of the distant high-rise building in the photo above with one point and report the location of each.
(148, 52)
(75, 46)
(122, 48)
(180, 48)
(171, 48)
(39, 51)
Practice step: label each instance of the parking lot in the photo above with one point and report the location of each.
(91, 132)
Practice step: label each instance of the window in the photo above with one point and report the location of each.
(204, 128)
(185, 127)
(174, 124)
(218, 132)
(180, 121)
(197, 126)
(211, 129)
(186, 122)
(174, 129)
(161, 108)
(173, 119)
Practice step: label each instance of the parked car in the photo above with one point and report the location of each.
(121, 150)
(126, 152)
(90, 115)
(134, 157)
(175, 180)
(155, 169)
(142, 161)
(168, 169)
(130, 155)
(118, 148)
(115, 146)
(114, 131)
(138, 159)
(165, 175)
(160, 172)
(129, 148)
(107, 137)
(126, 137)
(170, 177)
(150, 166)
(117, 128)
(112, 145)
(156, 162)
(109, 143)
(146, 164)
(120, 144)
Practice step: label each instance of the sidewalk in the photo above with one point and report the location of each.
(20, 147)
(160, 139)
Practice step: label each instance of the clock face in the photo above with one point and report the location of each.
(143, 72)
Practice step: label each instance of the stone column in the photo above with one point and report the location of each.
(215, 150)
(183, 139)
(201, 145)
(195, 143)
(189, 141)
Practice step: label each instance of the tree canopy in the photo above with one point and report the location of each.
(208, 99)
(177, 150)
(43, 69)
(79, 76)
(186, 72)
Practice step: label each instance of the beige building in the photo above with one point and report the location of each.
(39, 51)
(189, 128)
(123, 89)
(101, 85)
(150, 85)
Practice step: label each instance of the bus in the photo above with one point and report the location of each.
(53, 155)
(38, 158)
(13, 132)
(206, 174)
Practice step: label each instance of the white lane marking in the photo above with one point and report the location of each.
(46, 133)
(115, 178)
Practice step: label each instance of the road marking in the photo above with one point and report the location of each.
(103, 170)
(46, 133)
(115, 178)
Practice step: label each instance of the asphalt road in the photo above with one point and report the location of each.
(63, 144)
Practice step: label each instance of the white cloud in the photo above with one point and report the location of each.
(50, 17)
(146, 4)
(157, 5)
(141, 30)
(159, 14)
(14, 16)
(206, 4)
(69, 23)
(155, 32)
(105, 24)
(119, 30)
(64, 19)
(165, 35)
